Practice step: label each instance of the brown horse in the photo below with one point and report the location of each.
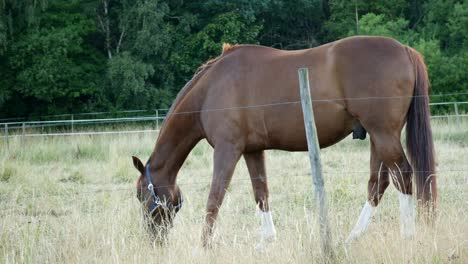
(246, 101)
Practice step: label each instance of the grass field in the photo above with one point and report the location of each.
(72, 200)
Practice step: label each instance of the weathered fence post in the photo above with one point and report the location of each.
(72, 123)
(457, 116)
(23, 134)
(315, 163)
(157, 119)
(6, 136)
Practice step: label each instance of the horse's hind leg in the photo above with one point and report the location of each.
(392, 163)
(400, 172)
(256, 165)
(377, 184)
(389, 150)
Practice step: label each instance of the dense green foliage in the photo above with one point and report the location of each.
(60, 56)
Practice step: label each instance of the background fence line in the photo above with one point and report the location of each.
(85, 133)
(19, 119)
(157, 116)
(160, 110)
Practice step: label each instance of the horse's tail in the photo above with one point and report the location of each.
(419, 140)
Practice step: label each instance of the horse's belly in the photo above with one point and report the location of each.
(286, 129)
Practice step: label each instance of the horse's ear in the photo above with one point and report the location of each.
(138, 164)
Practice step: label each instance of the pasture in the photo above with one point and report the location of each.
(72, 200)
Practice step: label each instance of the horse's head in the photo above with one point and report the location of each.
(160, 203)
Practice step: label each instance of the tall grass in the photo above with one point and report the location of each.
(72, 199)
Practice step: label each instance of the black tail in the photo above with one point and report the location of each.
(419, 141)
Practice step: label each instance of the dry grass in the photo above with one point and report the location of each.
(52, 209)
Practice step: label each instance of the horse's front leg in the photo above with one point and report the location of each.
(225, 160)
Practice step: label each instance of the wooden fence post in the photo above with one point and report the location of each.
(6, 136)
(315, 163)
(72, 123)
(455, 105)
(23, 135)
(157, 119)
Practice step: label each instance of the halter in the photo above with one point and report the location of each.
(156, 201)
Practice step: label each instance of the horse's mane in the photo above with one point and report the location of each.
(198, 73)
(226, 48)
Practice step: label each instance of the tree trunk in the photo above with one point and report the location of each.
(107, 28)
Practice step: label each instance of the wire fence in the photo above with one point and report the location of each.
(73, 126)
(80, 115)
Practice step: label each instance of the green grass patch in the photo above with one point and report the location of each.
(6, 173)
(75, 177)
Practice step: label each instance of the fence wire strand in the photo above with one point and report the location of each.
(265, 105)
(42, 124)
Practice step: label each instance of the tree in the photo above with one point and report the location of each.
(378, 25)
(52, 63)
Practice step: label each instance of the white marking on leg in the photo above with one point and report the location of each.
(407, 226)
(363, 222)
(268, 228)
(267, 231)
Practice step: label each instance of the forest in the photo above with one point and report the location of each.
(69, 56)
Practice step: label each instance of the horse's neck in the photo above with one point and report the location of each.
(179, 135)
(180, 132)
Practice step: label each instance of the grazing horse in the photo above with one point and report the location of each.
(246, 101)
